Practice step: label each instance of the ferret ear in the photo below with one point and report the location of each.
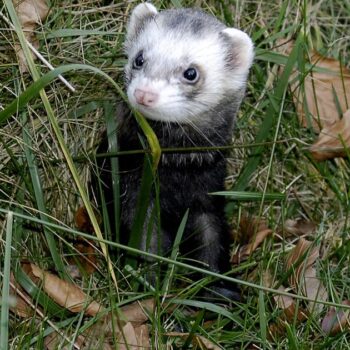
(138, 16)
(242, 49)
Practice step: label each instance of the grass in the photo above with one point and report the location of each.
(47, 138)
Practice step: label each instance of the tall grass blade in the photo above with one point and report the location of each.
(250, 196)
(5, 298)
(262, 318)
(39, 197)
(140, 222)
(269, 120)
(174, 252)
(111, 124)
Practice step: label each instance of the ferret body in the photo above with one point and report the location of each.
(186, 73)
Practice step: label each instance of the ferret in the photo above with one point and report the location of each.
(186, 73)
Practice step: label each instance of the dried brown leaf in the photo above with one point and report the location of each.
(65, 293)
(21, 307)
(286, 304)
(249, 226)
(55, 341)
(331, 141)
(136, 313)
(83, 222)
(128, 337)
(267, 279)
(300, 259)
(87, 259)
(313, 288)
(319, 91)
(101, 332)
(30, 13)
(283, 301)
(142, 336)
(246, 250)
(287, 316)
(336, 320)
(133, 338)
(299, 227)
(304, 276)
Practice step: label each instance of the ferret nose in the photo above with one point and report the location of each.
(146, 98)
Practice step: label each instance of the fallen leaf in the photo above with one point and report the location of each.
(134, 338)
(246, 250)
(320, 89)
(55, 341)
(136, 313)
(83, 222)
(30, 13)
(287, 317)
(129, 319)
(331, 140)
(87, 259)
(102, 332)
(336, 320)
(300, 259)
(304, 277)
(21, 307)
(249, 226)
(287, 305)
(283, 301)
(65, 293)
(313, 288)
(127, 339)
(142, 335)
(299, 227)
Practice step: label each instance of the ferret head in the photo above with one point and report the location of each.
(182, 63)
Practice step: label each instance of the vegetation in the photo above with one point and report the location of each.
(48, 139)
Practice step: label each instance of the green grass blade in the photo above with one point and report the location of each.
(194, 329)
(61, 33)
(142, 207)
(5, 298)
(49, 306)
(175, 252)
(262, 318)
(210, 307)
(111, 125)
(250, 196)
(39, 197)
(177, 263)
(269, 120)
(34, 89)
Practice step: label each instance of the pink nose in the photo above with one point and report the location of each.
(146, 98)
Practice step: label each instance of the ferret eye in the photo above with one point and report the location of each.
(191, 75)
(138, 61)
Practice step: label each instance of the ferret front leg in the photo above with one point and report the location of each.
(154, 239)
(210, 245)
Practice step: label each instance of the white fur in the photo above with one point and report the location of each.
(167, 52)
(140, 11)
(242, 41)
